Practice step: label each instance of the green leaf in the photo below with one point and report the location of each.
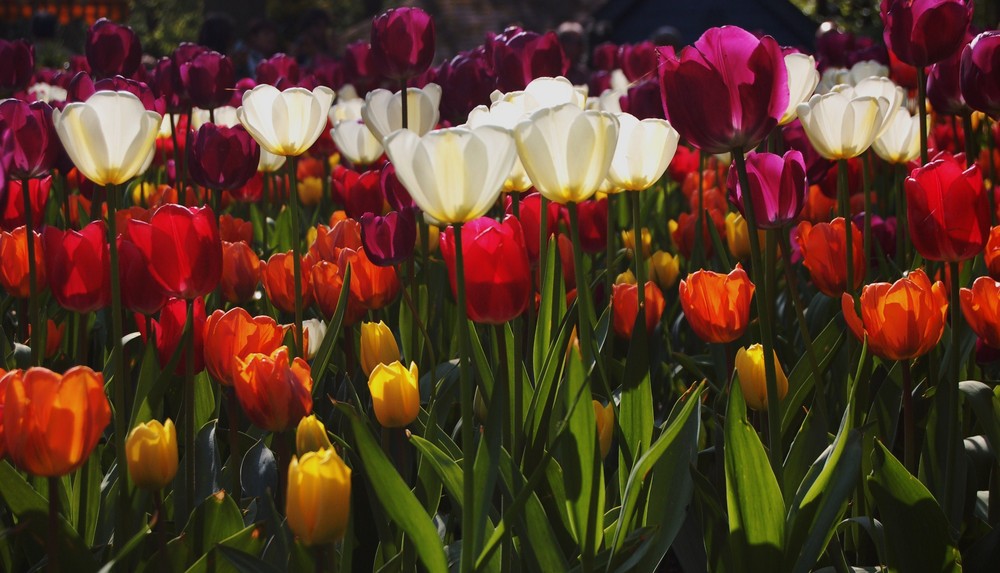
(756, 510)
(580, 457)
(17, 494)
(325, 352)
(636, 407)
(544, 327)
(249, 541)
(398, 502)
(800, 379)
(986, 405)
(216, 518)
(444, 466)
(916, 531)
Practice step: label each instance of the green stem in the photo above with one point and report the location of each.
(468, 415)
(922, 109)
(902, 228)
(866, 244)
(190, 431)
(293, 203)
(582, 289)
(54, 530)
(265, 204)
(909, 437)
(990, 146)
(235, 454)
(844, 205)
(950, 416)
(543, 238)
(640, 264)
(37, 336)
(120, 376)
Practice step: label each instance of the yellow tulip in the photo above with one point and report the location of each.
(664, 268)
(311, 436)
(378, 346)
(628, 239)
(319, 497)
(151, 453)
(626, 278)
(605, 417)
(395, 394)
(737, 236)
(753, 382)
(310, 191)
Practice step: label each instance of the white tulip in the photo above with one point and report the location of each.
(383, 110)
(315, 332)
(287, 122)
(866, 69)
(109, 137)
(346, 110)
(506, 115)
(611, 101)
(356, 142)
(880, 87)
(832, 77)
(454, 175)
(619, 82)
(567, 151)
(225, 116)
(269, 162)
(841, 127)
(644, 150)
(803, 77)
(166, 130)
(543, 92)
(901, 141)
(47, 93)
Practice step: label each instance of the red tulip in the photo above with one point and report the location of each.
(531, 221)
(625, 303)
(208, 78)
(605, 57)
(182, 248)
(947, 210)
(279, 68)
(402, 42)
(345, 234)
(363, 194)
(12, 212)
(924, 32)
(394, 192)
(78, 264)
(140, 291)
(637, 60)
(222, 157)
(824, 253)
(240, 272)
(643, 100)
(30, 145)
(112, 49)
(279, 282)
(593, 224)
(83, 86)
(497, 274)
(19, 63)
(169, 329)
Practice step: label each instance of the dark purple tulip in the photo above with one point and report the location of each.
(18, 57)
(209, 79)
(944, 89)
(527, 56)
(358, 61)
(402, 42)
(726, 91)
(222, 157)
(394, 192)
(637, 60)
(600, 81)
(980, 73)
(833, 47)
(30, 145)
(330, 74)
(884, 231)
(777, 186)
(162, 82)
(605, 57)
(82, 87)
(924, 32)
(643, 99)
(389, 240)
(278, 67)
(466, 81)
(242, 85)
(794, 137)
(112, 49)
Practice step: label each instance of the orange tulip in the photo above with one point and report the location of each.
(625, 303)
(327, 284)
(14, 262)
(234, 229)
(981, 307)
(279, 282)
(344, 234)
(372, 286)
(902, 320)
(991, 256)
(717, 306)
(53, 422)
(274, 391)
(236, 335)
(53, 337)
(824, 254)
(240, 272)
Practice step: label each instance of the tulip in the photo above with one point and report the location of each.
(269, 162)
(383, 111)
(78, 266)
(824, 253)
(235, 334)
(924, 32)
(279, 284)
(378, 346)
(14, 255)
(208, 78)
(279, 68)
(140, 291)
(777, 186)
(902, 320)
(328, 282)
(531, 222)
(664, 268)
(274, 390)
(372, 287)
(318, 501)
(593, 224)
(944, 90)
(717, 306)
(20, 58)
(356, 142)
(361, 194)
(346, 109)
(643, 151)
(82, 87)
(604, 57)
(947, 210)
(345, 234)
(604, 416)
(625, 302)
(112, 49)
(454, 175)
(389, 240)
(30, 145)
(978, 73)
(539, 93)
(900, 143)
(566, 151)
(395, 394)
(240, 272)
(803, 77)
(637, 60)
(737, 236)
(794, 138)
(506, 115)
(52, 422)
(310, 436)
(880, 88)
(991, 255)
(287, 122)
(840, 126)
(12, 213)
(467, 81)
(53, 339)
(744, 80)
(750, 368)
(221, 157)
(524, 56)
(151, 450)
(402, 42)
(182, 248)
(109, 137)
(168, 330)
(683, 231)
(981, 308)
(497, 274)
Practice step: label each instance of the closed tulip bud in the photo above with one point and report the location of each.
(664, 268)
(52, 422)
(991, 255)
(240, 272)
(625, 278)
(402, 41)
(840, 126)
(279, 68)
(777, 187)
(625, 302)
(605, 418)
(274, 391)
(361, 194)
(395, 394)
(981, 308)
(310, 191)
(112, 49)
(643, 151)
(310, 436)
(979, 73)
(318, 503)
(314, 331)
(389, 240)
(923, 32)
(520, 57)
(803, 77)
(222, 158)
(328, 282)
(356, 142)
(737, 236)
(604, 57)
(233, 335)
(823, 248)
(947, 209)
(279, 281)
(151, 452)
(168, 329)
(19, 56)
(628, 240)
(80, 266)
(717, 306)
(383, 111)
(750, 369)
(30, 145)
(900, 144)
(285, 122)
(208, 78)
(182, 248)
(14, 270)
(378, 346)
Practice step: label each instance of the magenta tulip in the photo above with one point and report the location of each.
(526, 56)
(394, 192)
(222, 157)
(980, 73)
(466, 81)
(30, 145)
(82, 86)
(402, 41)
(279, 69)
(817, 166)
(605, 57)
(18, 57)
(924, 32)
(389, 240)
(643, 100)
(638, 61)
(777, 186)
(208, 78)
(112, 49)
(944, 89)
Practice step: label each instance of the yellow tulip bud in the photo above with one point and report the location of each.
(737, 237)
(319, 497)
(664, 268)
(395, 394)
(628, 239)
(311, 235)
(672, 226)
(151, 453)
(625, 278)
(605, 417)
(378, 346)
(310, 191)
(311, 436)
(753, 382)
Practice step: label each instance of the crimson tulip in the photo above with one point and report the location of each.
(79, 265)
(593, 215)
(12, 202)
(112, 49)
(625, 304)
(466, 82)
(402, 41)
(359, 66)
(168, 330)
(362, 194)
(741, 84)
(980, 73)
(19, 63)
(389, 240)
(526, 56)
(924, 32)
(531, 221)
(82, 86)
(643, 100)
(279, 68)
(182, 248)
(947, 210)
(394, 192)
(30, 145)
(140, 291)
(221, 157)
(497, 274)
(604, 57)
(944, 89)
(208, 78)
(777, 186)
(817, 167)
(637, 60)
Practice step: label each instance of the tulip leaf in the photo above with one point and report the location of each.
(325, 352)
(800, 379)
(753, 498)
(245, 562)
(550, 289)
(214, 519)
(281, 241)
(204, 399)
(72, 553)
(248, 541)
(544, 397)
(86, 497)
(444, 466)
(635, 412)
(398, 502)
(809, 443)
(483, 366)
(986, 405)
(916, 531)
(17, 494)
(259, 471)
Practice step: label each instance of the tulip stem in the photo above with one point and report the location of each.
(990, 147)
(468, 415)
(970, 137)
(909, 445)
(543, 238)
(699, 233)
(903, 230)
(844, 206)
(118, 368)
(866, 245)
(54, 530)
(950, 416)
(922, 109)
(265, 204)
(582, 288)
(293, 202)
(637, 251)
(403, 100)
(37, 336)
(770, 372)
(235, 453)
(178, 172)
(189, 425)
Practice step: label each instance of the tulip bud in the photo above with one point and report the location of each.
(378, 346)
(737, 236)
(112, 49)
(750, 368)
(222, 157)
(395, 394)
(628, 240)
(664, 268)
(240, 272)
(402, 42)
(605, 418)
(319, 497)
(625, 303)
(151, 453)
(314, 331)
(625, 278)
(979, 73)
(19, 63)
(275, 391)
(311, 436)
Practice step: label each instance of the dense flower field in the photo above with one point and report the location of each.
(730, 307)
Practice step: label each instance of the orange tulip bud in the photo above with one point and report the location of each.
(625, 303)
(981, 307)
(236, 335)
(717, 306)
(274, 391)
(824, 253)
(240, 272)
(279, 281)
(14, 275)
